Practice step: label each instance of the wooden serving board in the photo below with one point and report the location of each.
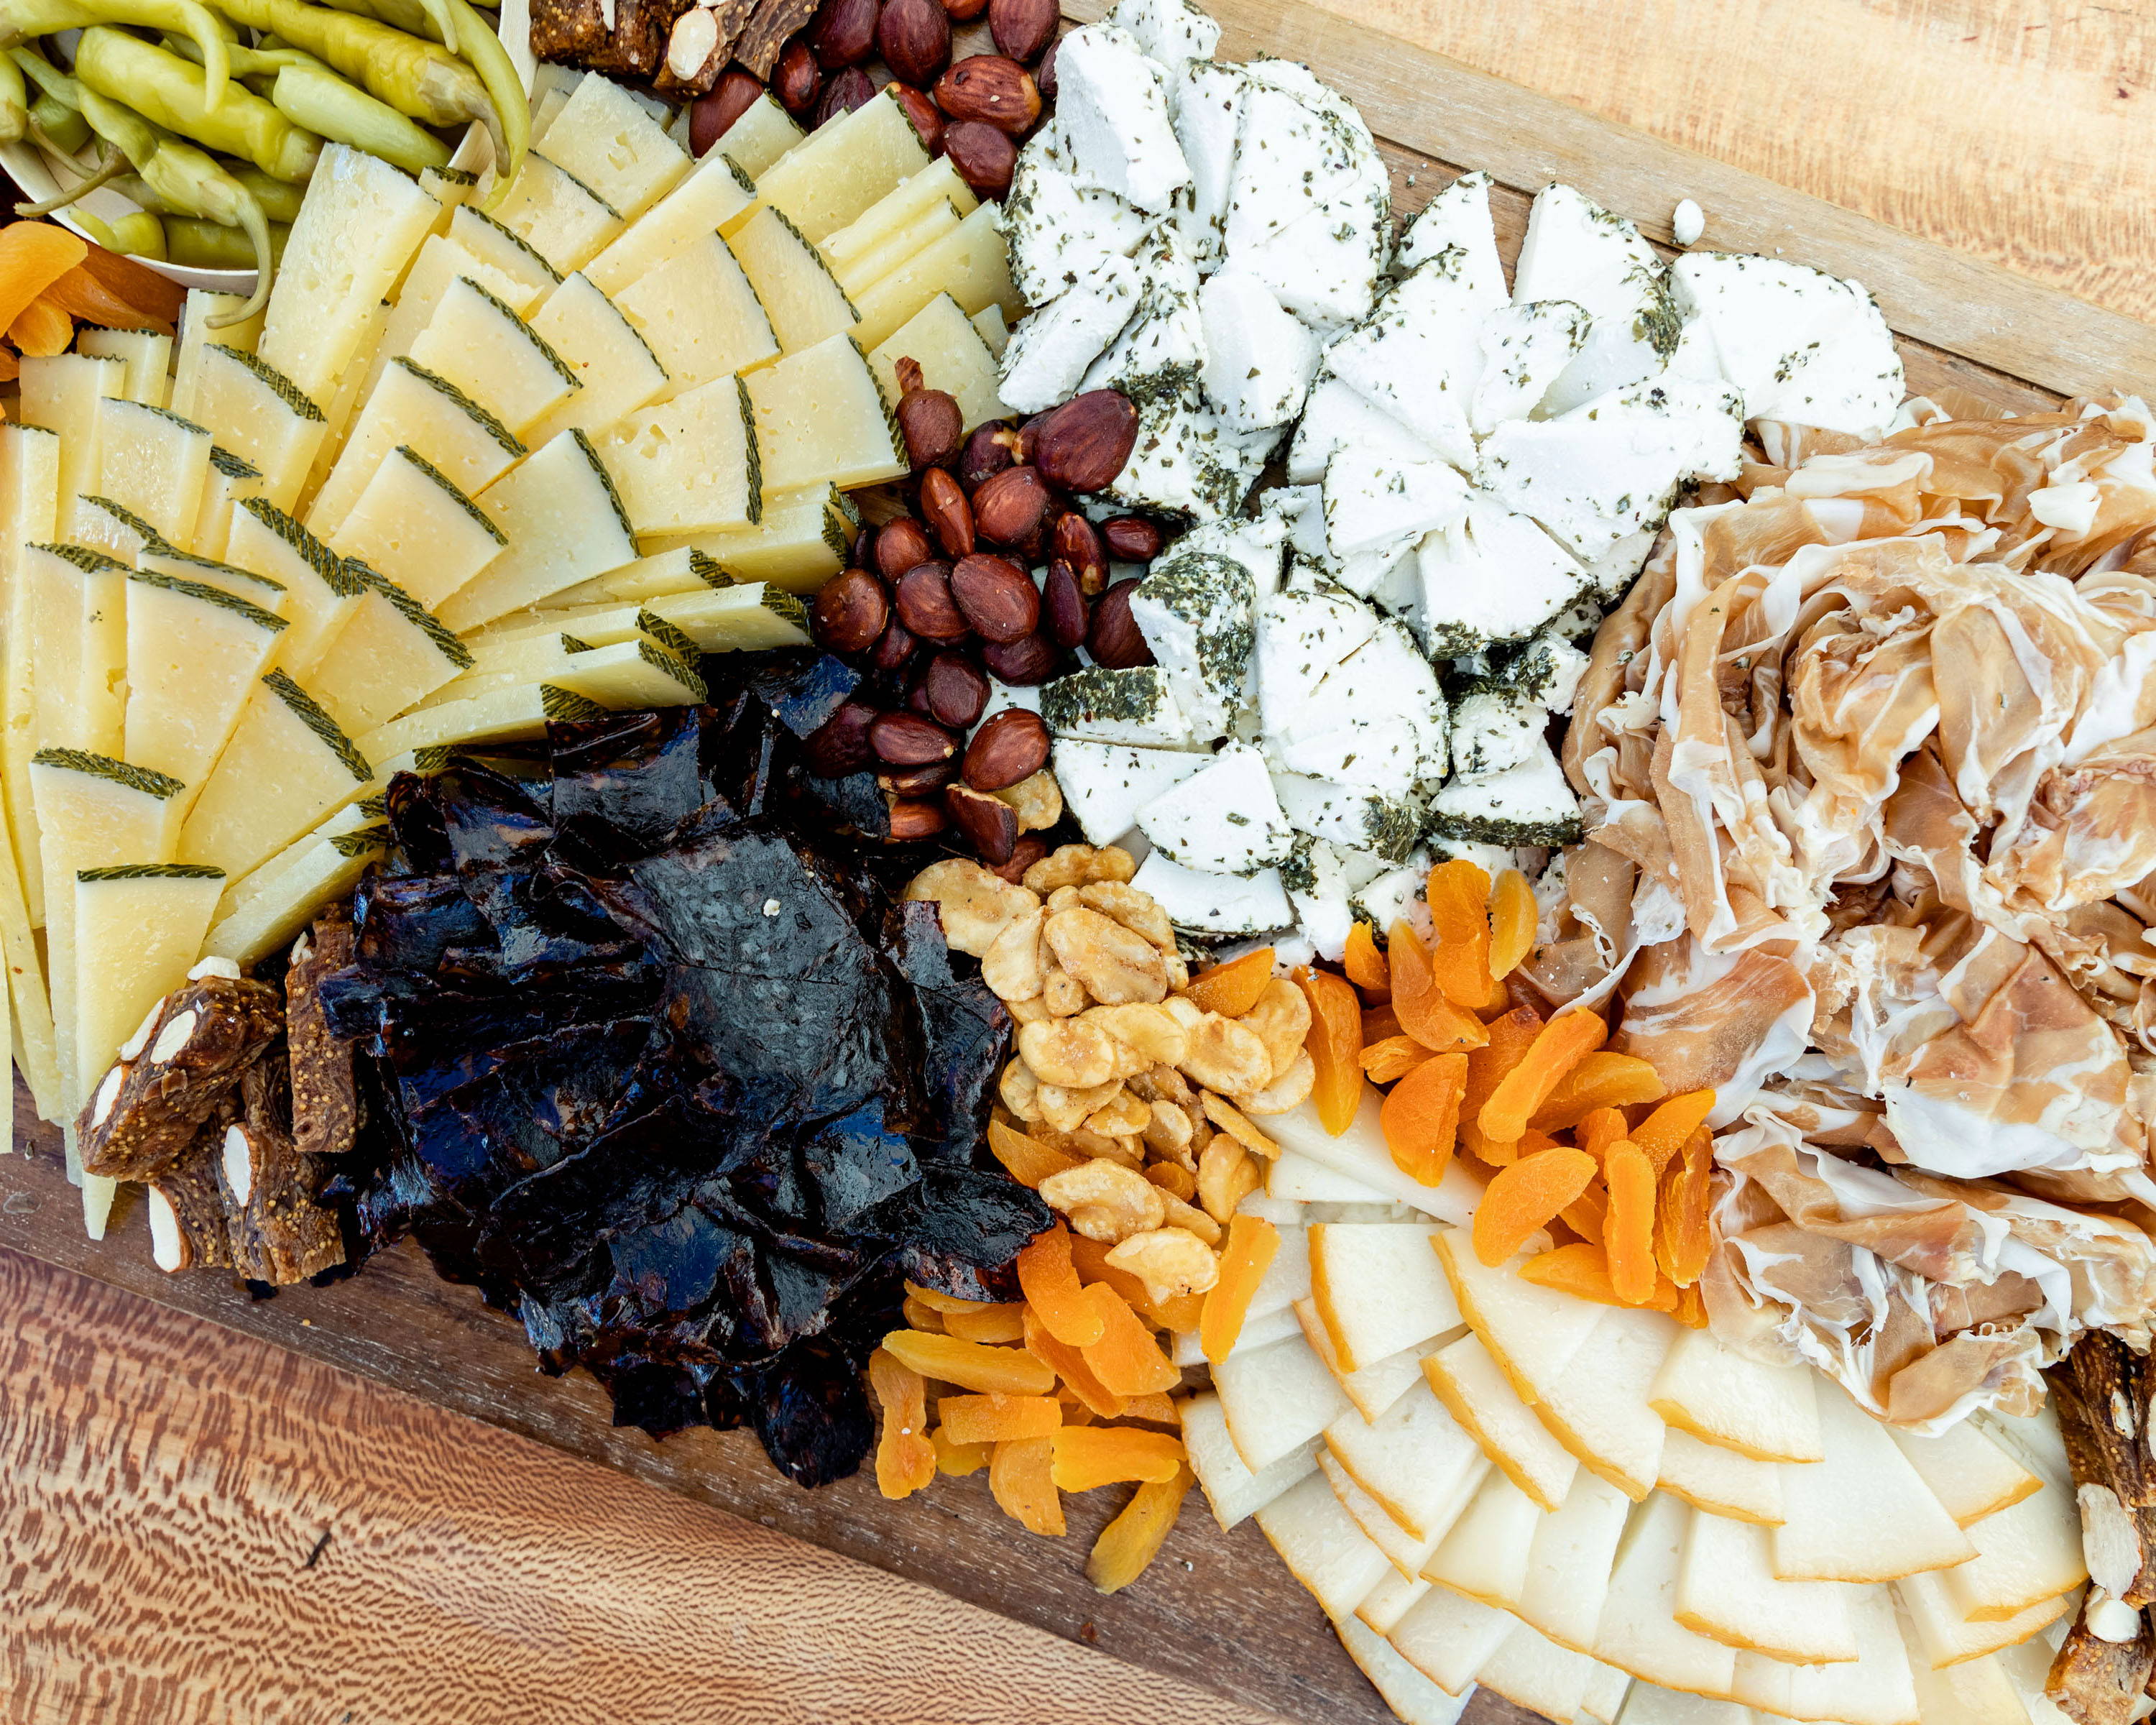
(1218, 1610)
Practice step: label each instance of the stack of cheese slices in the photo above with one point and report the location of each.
(469, 471)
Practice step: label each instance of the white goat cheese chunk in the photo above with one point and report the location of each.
(1576, 251)
(1207, 102)
(1419, 356)
(1061, 233)
(1337, 416)
(1609, 572)
(1301, 634)
(1052, 349)
(1259, 545)
(1490, 577)
(1161, 351)
(1524, 350)
(1215, 904)
(1458, 219)
(1300, 511)
(1168, 30)
(1258, 359)
(1798, 344)
(1382, 505)
(1325, 266)
(1223, 819)
(1111, 111)
(1547, 671)
(1398, 895)
(1194, 610)
(1105, 784)
(1136, 706)
(1388, 675)
(1687, 222)
(1348, 814)
(1291, 159)
(1173, 467)
(1530, 802)
(1495, 727)
(1298, 81)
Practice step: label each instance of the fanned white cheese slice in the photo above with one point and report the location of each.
(1407, 1691)
(1862, 1513)
(1472, 1386)
(1232, 1490)
(1532, 1672)
(1577, 251)
(1721, 1482)
(1322, 1546)
(1638, 1631)
(1277, 1399)
(1798, 344)
(564, 523)
(1412, 1460)
(1485, 1555)
(1708, 1389)
(1447, 1636)
(1378, 1288)
(1569, 1562)
(1875, 1688)
(1727, 1592)
(1361, 1154)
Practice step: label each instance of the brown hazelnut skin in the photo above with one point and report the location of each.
(711, 116)
(934, 430)
(797, 80)
(1023, 28)
(1115, 641)
(985, 157)
(914, 37)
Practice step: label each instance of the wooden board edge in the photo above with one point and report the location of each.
(1465, 119)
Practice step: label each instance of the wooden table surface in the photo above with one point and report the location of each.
(197, 1528)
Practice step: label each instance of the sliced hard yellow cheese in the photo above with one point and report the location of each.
(634, 673)
(1971, 1474)
(415, 528)
(202, 305)
(1535, 1674)
(77, 614)
(356, 232)
(450, 186)
(750, 617)
(713, 194)
(564, 524)
(2026, 1553)
(820, 419)
(261, 416)
(546, 104)
(354, 384)
(416, 408)
(609, 142)
(194, 652)
(390, 653)
(994, 328)
(506, 255)
(1863, 1513)
(698, 314)
(138, 930)
(943, 342)
(1446, 1638)
(441, 261)
(760, 137)
(288, 766)
(1378, 1288)
(1322, 1546)
(1727, 1591)
(499, 716)
(319, 592)
(840, 173)
(262, 591)
(800, 543)
(617, 368)
(558, 216)
(65, 393)
(970, 264)
(26, 1002)
(872, 266)
(794, 284)
(1721, 1482)
(684, 569)
(231, 479)
(265, 913)
(1478, 1395)
(29, 510)
(105, 526)
(1638, 1631)
(1601, 1414)
(490, 353)
(147, 356)
(688, 465)
(936, 186)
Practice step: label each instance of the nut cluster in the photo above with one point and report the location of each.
(975, 110)
(939, 600)
(1121, 1060)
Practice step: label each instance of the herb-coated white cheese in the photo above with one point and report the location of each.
(1194, 610)
(1349, 815)
(1105, 784)
(1052, 349)
(1525, 349)
(1215, 904)
(1258, 359)
(1207, 104)
(1325, 266)
(1136, 706)
(1111, 111)
(1337, 416)
(1379, 505)
(1300, 636)
(1458, 220)
(1419, 356)
(1489, 577)
(1576, 251)
(1529, 803)
(1168, 30)
(1223, 819)
(1060, 231)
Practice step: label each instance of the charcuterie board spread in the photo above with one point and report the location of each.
(979, 746)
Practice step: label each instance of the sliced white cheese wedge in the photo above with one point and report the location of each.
(477, 342)
(698, 314)
(1223, 821)
(2026, 1553)
(1419, 356)
(1800, 344)
(1647, 1704)
(65, 394)
(1277, 1399)
(1389, 1601)
(1447, 1636)
(1970, 1474)
(1569, 1562)
(620, 373)
(1458, 219)
(690, 465)
(1375, 1389)
(505, 254)
(1639, 1631)
(1407, 1556)
(1862, 1513)
(1378, 1287)
(390, 654)
(232, 480)
(1295, 1178)
(1597, 1406)
(1111, 111)
(1413, 1459)
(288, 766)
(1577, 252)
(1608, 1690)
(1322, 1546)
(1709, 1390)
(1533, 1334)
(1531, 1672)
(1727, 1592)
(1105, 784)
(1232, 1491)
(1335, 416)
(1485, 1555)
(1215, 904)
(1360, 1153)
(840, 172)
(318, 590)
(1875, 1688)
(1721, 1482)
(194, 652)
(1477, 1393)
(927, 227)
(1941, 1634)
(564, 522)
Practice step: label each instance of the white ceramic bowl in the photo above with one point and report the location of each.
(41, 178)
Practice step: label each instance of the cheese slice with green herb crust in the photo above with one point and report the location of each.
(114, 529)
(632, 673)
(793, 283)
(449, 186)
(390, 654)
(194, 652)
(840, 172)
(715, 192)
(441, 261)
(65, 394)
(698, 314)
(620, 371)
(946, 345)
(138, 930)
(29, 510)
(256, 412)
(504, 252)
(264, 912)
(564, 523)
(866, 270)
(288, 766)
(201, 305)
(557, 215)
(682, 570)
(319, 592)
(503, 714)
(800, 543)
(820, 419)
(479, 344)
(147, 356)
(354, 385)
(231, 478)
(416, 408)
(936, 186)
(607, 139)
(412, 526)
(265, 592)
(77, 614)
(971, 264)
(153, 464)
(688, 465)
(750, 617)
(26, 1003)
(362, 221)
(765, 133)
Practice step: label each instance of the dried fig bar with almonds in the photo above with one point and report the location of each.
(2102, 1393)
(325, 1089)
(2097, 1680)
(188, 1227)
(279, 1234)
(175, 1070)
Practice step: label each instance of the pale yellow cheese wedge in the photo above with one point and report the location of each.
(1942, 1636)
(154, 465)
(715, 192)
(1275, 1400)
(821, 420)
(1446, 1637)
(138, 928)
(414, 526)
(792, 283)
(1970, 1474)
(564, 523)
(1485, 1553)
(76, 610)
(800, 543)
(936, 186)
(477, 342)
(146, 355)
(264, 912)
(838, 174)
(200, 306)
(698, 314)
(1708, 1389)
(558, 216)
(416, 408)
(1638, 1631)
(1569, 1562)
(257, 413)
(1478, 1395)
(1532, 1672)
(1727, 1591)
(1378, 1287)
(608, 140)
(1322, 1546)
(233, 478)
(319, 591)
(1721, 1482)
(1863, 1513)
(689, 464)
(1411, 1459)
(194, 653)
(2026, 1553)
(65, 393)
(1232, 1492)
(288, 766)
(970, 264)
(617, 369)
(764, 133)
(947, 346)
(872, 266)
(29, 510)
(1875, 1688)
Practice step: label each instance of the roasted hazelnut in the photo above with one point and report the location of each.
(925, 605)
(964, 11)
(797, 80)
(1077, 543)
(713, 114)
(996, 597)
(1114, 639)
(1029, 850)
(990, 823)
(1083, 445)
(841, 744)
(910, 740)
(849, 612)
(1012, 747)
(846, 91)
(1022, 28)
(1063, 607)
(949, 516)
(926, 117)
(987, 453)
(920, 781)
(930, 422)
(913, 820)
(914, 37)
(896, 645)
(984, 156)
(957, 689)
(1044, 74)
(1009, 506)
(1132, 539)
(899, 544)
(993, 90)
(1028, 439)
(1029, 660)
(843, 32)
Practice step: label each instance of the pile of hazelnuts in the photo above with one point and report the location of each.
(975, 110)
(938, 600)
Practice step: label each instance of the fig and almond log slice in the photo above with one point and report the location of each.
(2102, 1393)
(174, 1073)
(279, 1234)
(188, 1227)
(325, 1084)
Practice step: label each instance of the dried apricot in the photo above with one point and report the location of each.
(1683, 1238)
(1421, 1118)
(1587, 1215)
(1628, 1236)
(1526, 1197)
(1335, 1046)
(1601, 1129)
(1026, 1159)
(1583, 1271)
(1181, 1314)
(1513, 918)
(1425, 1012)
(1379, 1022)
(938, 1301)
(986, 1322)
(1251, 1245)
(1366, 966)
(959, 1459)
(1388, 1061)
(1020, 1476)
(1158, 1408)
(1126, 1359)
(1663, 1132)
(921, 1316)
(1459, 897)
(1089, 1456)
(1233, 988)
(1690, 1310)
(905, 1459)
(1598, 1080)
(990, 1371)
(1558, 1047)
(1510, 1036)
(1069, 1364)
(997, 1419)
(1131, 1542)
(1050, 1284)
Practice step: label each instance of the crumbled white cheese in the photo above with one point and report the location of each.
(1105, 784)
(1687, 222)
(1259, 358)
(1576, 251)
(1458, 220)
(1223, 819)
(1111, 109)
